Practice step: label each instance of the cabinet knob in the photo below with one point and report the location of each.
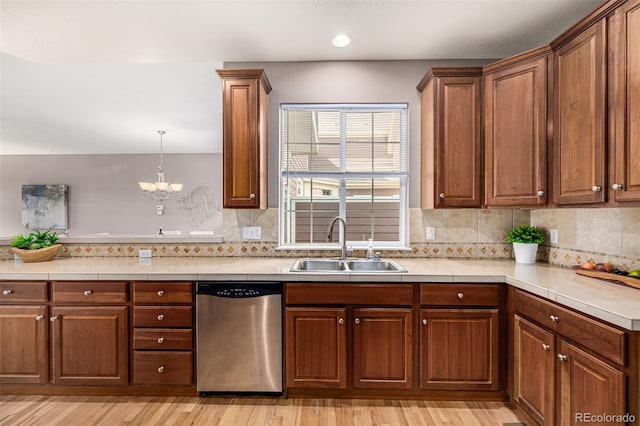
(357, 320)
(161, 340)
(540, 193)
(160, 317)
(441, 195)
(39, 317)
(554, 318)
(161, 293)
(161, 369)
(88, 292)
(545, 347)
(616, 186)
(596, 188)
(6, 292)
(460, 296)
(341, 321)
(424, 321)
(53, 319)
(562, 357)
(252, 196)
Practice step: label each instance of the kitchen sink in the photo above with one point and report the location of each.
(346, 266)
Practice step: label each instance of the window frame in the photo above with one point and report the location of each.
(402, 175)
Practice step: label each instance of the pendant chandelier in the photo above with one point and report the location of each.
(160, 190)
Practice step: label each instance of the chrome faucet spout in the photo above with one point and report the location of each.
(343, 254)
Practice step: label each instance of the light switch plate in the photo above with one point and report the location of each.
(251, 232)
(430, 232)
(553, 236)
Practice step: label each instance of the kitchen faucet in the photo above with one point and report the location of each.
(344, 235)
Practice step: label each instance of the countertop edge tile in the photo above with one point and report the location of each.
(73, 277)
(479, 279)
(413, 278)
(594, 311)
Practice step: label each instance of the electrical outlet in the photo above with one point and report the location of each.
(159, 209)
(251, 232)
(553, 236)
(430, 232)
(144, 253)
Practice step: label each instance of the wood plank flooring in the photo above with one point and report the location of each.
(222, 411)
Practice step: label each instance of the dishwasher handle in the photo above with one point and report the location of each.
(238, 290)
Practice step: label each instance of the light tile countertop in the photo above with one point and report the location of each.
(610, 302)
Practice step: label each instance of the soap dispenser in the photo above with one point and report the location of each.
(370, 254)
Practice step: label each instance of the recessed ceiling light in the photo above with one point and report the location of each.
(341, 40)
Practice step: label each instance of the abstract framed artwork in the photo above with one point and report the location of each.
(44, 206)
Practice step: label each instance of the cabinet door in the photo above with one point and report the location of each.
(316, 347)
(90, 345)
(459, 349)
(457, 150)
(382, 348)
(24, 344)
(588, 386)
(515, 108)
(534, 370)
(580, 118)
(624, 104)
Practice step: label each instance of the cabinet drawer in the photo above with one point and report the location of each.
(595, 335)
(89, 292)
(163, 316)
(162, 339)
(162, 367)
(460, 294)
(20, 291)
(160, 293)
(349, 294)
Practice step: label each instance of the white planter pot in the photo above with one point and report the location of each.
(525, 253)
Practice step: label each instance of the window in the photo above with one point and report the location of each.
(348, 161)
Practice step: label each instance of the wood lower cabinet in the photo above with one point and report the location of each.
(24, 344)
(450, 134)
(244, 137)
(383, 348)
(90, 345)
(316, 347)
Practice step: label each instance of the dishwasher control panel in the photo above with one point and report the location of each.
(238, 290)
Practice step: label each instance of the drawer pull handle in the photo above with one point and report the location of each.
(596, 188)
(441, 195)
(161, 340)
(39, 317)
(52, 319)
(424, 321)
(460, 296)
(357, 321)
(7, 292)
(545, 347)
(554, 318)
(88, 292)
(562, 357)
(616, 186)
(541, 193)
(161, 293)
(160, 317)
(341, 321)
(252, 196)
(161, 369)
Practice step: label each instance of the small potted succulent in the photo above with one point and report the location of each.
(525, 239)
(38, 246)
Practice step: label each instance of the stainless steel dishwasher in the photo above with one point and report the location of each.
(239, 337)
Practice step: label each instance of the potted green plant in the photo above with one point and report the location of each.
(525, 239)
(38, 246)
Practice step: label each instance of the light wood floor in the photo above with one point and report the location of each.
(117, 410)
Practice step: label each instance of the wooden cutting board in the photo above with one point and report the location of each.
(618, 279)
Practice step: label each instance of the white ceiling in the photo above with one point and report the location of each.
(101, 76)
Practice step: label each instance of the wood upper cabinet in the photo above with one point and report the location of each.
(383, 348)
(450, 133)
(534, 370)
(90, 345)
(515, 130)
(624, 103)
(459, 349)
(244, 137)
(316, 347)
(579, 166)
(24, 344)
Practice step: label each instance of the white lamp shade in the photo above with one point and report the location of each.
(176, 187)
(162, 186)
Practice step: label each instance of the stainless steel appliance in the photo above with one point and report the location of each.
(239, 337)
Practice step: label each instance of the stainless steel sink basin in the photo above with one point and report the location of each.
(346, 266)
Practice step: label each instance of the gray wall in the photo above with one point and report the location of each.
(344, 82)
(103, 190)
